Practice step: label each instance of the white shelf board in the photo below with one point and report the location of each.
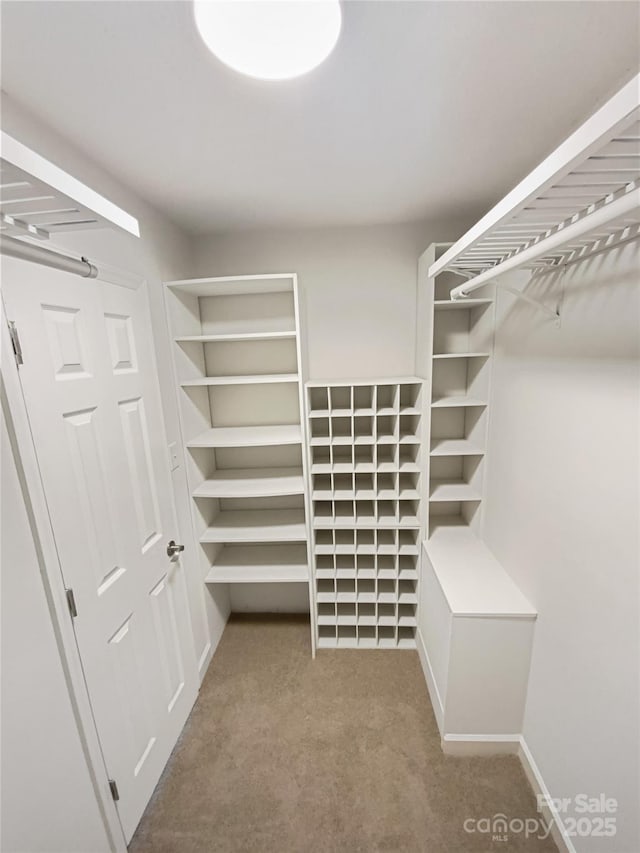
(273, 525)
(455, 447)
(460, 305)
(455, 402)
(251, 482)
(472, 580)
(445, 490)
(240, 285)
(260, 564)
(244, 379)
(248, 436)
(227, 337)
(391, 380)
(462, 355)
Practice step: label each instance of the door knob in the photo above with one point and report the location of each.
(173, 549)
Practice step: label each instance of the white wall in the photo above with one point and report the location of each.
(358, 311)
(562, 515)
(163, 252)
(48, 801)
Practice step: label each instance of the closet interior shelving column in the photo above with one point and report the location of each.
(364, 446)
(237, 364)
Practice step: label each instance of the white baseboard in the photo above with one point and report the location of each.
(534, 776)
(434, 695)
(469, 744)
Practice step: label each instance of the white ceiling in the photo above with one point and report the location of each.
(425, 109)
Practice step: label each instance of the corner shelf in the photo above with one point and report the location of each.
(237, 367)
(365, 469)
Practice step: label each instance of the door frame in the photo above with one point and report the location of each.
(24, 451)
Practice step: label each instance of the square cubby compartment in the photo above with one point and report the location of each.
(347, 636)
(363, 429)
(365, 512)
(408, 457)
(461, 377)
(409, 542)
(364, 485)
(386, 591)
(326, 614)
(346, 614)
(342, 429)
(366, 614)
(322, 486)
(460, 429)
(367, 636)
(344, 512)
(324, 541)
(342, 458)
(409, 430)
(319, 429)
(386, 541)
(386, 429)
(364, 457)
(386, 399)
(366, 566)
(322, 510)
(326, 635)
(321, 458)
(340, 398)
(408, 485)
(345, 566)
(406, 638)
(386, 636)
(386, 511)
(386, 484)
(324, 565)
(326, 590)
(343, 486)
(366, 590)
(386, 614)
(318, 399)
(455, 478)
(410, 398)
(407, 615)
(386, 567)
(386, 457)
(346, 590)
(344, 541)
(407, 592)
(407, 567)
(408, 512)
(365, 541)
(363, 402)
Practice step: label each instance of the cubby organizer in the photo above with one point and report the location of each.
(364, 462)
(237, 365)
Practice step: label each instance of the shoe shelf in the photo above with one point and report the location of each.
(364, 464)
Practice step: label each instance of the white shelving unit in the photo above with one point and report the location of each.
(364, 450)
(454, 356)
(237, 368)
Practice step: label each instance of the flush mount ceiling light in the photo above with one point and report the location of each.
(269, 39)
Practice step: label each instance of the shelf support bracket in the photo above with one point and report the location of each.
(548, 312)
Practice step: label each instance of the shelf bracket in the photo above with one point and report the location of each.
(548, 312)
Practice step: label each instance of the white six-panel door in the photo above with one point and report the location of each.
(92, 397)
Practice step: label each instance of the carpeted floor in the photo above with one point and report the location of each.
(283, 754)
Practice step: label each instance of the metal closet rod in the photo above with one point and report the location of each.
(39, 255)
(622, 206)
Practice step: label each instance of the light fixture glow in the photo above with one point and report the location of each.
(269, 39)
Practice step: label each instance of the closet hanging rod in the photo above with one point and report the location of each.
(38, 255)
(621, 207)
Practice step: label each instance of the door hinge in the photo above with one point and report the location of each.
(114, 790)
(71, 602)
(15, 342)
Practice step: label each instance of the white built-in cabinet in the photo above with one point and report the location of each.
(237, 359)
(365, 468)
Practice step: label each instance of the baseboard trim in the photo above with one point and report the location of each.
(434, 695)
(534, 777)
(474, 744)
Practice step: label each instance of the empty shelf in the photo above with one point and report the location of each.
(461, 305)
(223, 337)
(239, 285)
(252, 482)
(244, 379)
(456, 402)
(248, 436)
(454, 447)
(260, 564)
(274, 525)
(454, 491)
(462, 355)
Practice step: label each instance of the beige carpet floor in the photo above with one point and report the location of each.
(283, 754)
